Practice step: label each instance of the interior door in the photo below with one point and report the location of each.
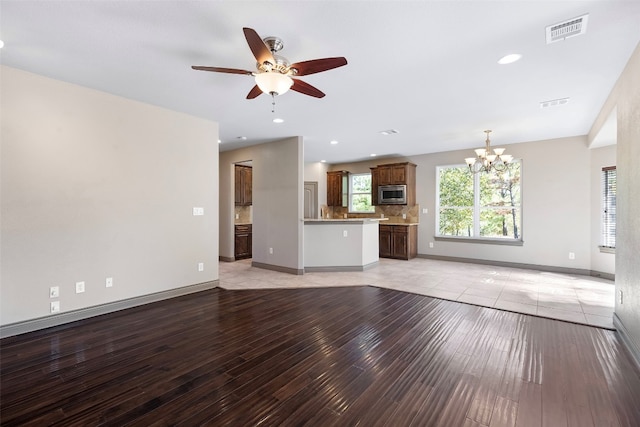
(311, 199)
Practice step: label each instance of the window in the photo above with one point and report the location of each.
(360, 193)
(609, 207)
(483, 205)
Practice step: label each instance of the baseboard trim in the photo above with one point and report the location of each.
(627, 341)
(97, 310)
(226, 258)
(279, 268)
(549, 268)
(340, 268)
(602, 275)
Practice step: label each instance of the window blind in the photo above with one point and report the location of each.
(609, 207)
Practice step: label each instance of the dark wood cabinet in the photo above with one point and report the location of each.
(338, 188)
(398, 241)
(394, 174)
(243, 237)
(244, 177)
(375, 180)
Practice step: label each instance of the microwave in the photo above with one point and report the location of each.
(392, 194)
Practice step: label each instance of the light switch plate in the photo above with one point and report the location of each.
(79, 287)
(108, 282)
(54, 292)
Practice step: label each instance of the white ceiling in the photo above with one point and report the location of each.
(428, 69)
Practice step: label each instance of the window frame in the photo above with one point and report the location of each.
(352, 193)
(608, 203)
(477, 208)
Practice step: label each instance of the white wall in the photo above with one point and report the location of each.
(601, 262)
(96, 186)
(278, 192)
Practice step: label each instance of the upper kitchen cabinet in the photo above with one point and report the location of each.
(244, 175)
(338, 188)
(394, 174)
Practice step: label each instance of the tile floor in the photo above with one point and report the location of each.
(573, 298)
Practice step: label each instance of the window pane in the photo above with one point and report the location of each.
(500, 223)
(361, 203)
(456, 187)
(456, 222)
(361, 183)
(501, 188)
(609, 185)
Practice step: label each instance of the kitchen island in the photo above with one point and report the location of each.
(349, 244)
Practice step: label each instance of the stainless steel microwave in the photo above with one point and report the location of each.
(392, 194)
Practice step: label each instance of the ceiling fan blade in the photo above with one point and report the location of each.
(221, 70)
(253, 93)
(306, 88)
(318, 65)
(257, 46)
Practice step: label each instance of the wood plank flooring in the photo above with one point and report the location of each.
(347, 356)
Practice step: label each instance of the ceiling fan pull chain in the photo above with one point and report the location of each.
(273, 102)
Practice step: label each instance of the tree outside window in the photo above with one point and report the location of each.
(484, 205)
(360, 193)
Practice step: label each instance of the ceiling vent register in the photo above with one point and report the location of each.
(566, 29)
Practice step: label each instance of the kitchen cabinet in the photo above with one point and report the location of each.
(243, 237)
(374, 186)
(398, 241)
(394, 174)
(338, 188)
(244, 177)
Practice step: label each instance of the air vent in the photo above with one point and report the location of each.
(554, 103)
(388, 132)
(566, 29)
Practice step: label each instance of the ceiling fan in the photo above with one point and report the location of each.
(274, 72)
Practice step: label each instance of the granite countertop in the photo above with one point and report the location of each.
(241, 223)
(402, 223)
(342, 220)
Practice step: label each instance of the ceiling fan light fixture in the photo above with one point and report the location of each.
(273, 83)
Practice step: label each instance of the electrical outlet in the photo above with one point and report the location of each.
(201, 266)
(344, 233)
(198, 211)
(620, 295)
(404, 216)
(108, 282)
(431, 245)
(54, 292)
(79, 287)
(55, 306)
(237, 216)
(425, 211)
(270, 251)
(572, 255)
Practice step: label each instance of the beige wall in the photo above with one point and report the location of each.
(278, 184)
(556, 204)
(317, 171)
(96, 186)
(625, 98)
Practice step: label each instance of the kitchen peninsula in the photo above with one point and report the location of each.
(349, 244)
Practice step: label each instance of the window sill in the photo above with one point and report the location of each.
(486, 241)
(607, 250)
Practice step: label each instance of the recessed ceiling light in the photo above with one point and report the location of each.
(323, 161)
(1, 44)
(373, 154)
(277, 120)
(388, 132)
(334, 142)
(242, 138)
(509, 59)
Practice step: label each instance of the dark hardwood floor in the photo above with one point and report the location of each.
(328, 357)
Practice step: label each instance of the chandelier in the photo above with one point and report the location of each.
(485, 161)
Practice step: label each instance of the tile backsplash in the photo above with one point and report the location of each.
(393, 212)
(243, 215)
